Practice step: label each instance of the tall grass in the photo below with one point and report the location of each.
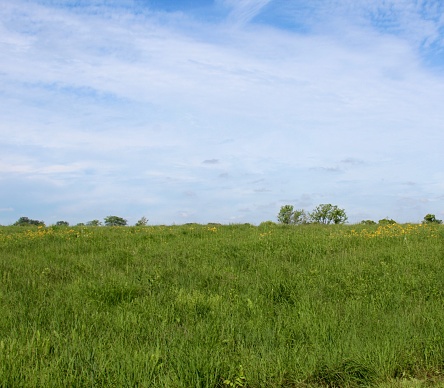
(214, 306)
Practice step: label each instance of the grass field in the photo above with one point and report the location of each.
(215, 306)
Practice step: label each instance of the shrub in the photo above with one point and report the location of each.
(25, 221)
(431, 219)
(115, 221)
(142, 222)
(386, 221)
(327, 214)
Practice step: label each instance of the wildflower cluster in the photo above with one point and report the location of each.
(41, 232)
(395, 230)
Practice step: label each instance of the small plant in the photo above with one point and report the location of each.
(267, 224)
(239, 381)
(347, 373)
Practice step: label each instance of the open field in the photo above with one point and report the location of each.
(214, 306)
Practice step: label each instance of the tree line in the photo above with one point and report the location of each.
(321, 214)
(107, 221)
(331, 214)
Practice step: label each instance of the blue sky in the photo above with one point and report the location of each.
(220, 111)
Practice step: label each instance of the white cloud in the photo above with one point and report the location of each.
(141, 105)
(243, 11)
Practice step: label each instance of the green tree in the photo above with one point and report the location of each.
(25, 221)
(285, 215)
(142, 222)
(327, 214)
(386, 221)
(62, 223)
(115, 221)
(368, 222)
(300, 217)
(431, 219)
(94, 223)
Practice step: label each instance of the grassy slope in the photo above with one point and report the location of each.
(194, 306)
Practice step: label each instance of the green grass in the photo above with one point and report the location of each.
(215, 306)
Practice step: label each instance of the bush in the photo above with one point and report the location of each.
(142, 222)
(431, 219)
(115, 221)
(25, 221)
(267, 224)
(94, 223)
(386, 221)
(327, 214)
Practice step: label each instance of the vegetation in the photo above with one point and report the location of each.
(285, 215)
(322, 214)
(222, 306)
(93, 223)
(142, 222)
(115, 221)
(368, 222)
(25, 221)
(327, 214)
(386, 221)
(431, 219)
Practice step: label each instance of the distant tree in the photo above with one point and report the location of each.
(80, 224)
(94, 223)
(25, 221)
(386, 221)
(368, 222)
(285, 215)
(115, 221)
(142, 222)
(300, 217)
(327, 214)
(431, 219)
(62, 223)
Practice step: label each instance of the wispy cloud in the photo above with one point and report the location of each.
(243, 11)
(135, 101)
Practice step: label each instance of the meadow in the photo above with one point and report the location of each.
(222, 306)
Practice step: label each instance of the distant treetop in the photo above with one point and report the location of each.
(115, 221)
(431, 219)
(25, 221)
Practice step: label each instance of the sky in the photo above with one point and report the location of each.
(220, 111)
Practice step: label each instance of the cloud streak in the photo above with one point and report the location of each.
(243, 11)
(149, 104)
